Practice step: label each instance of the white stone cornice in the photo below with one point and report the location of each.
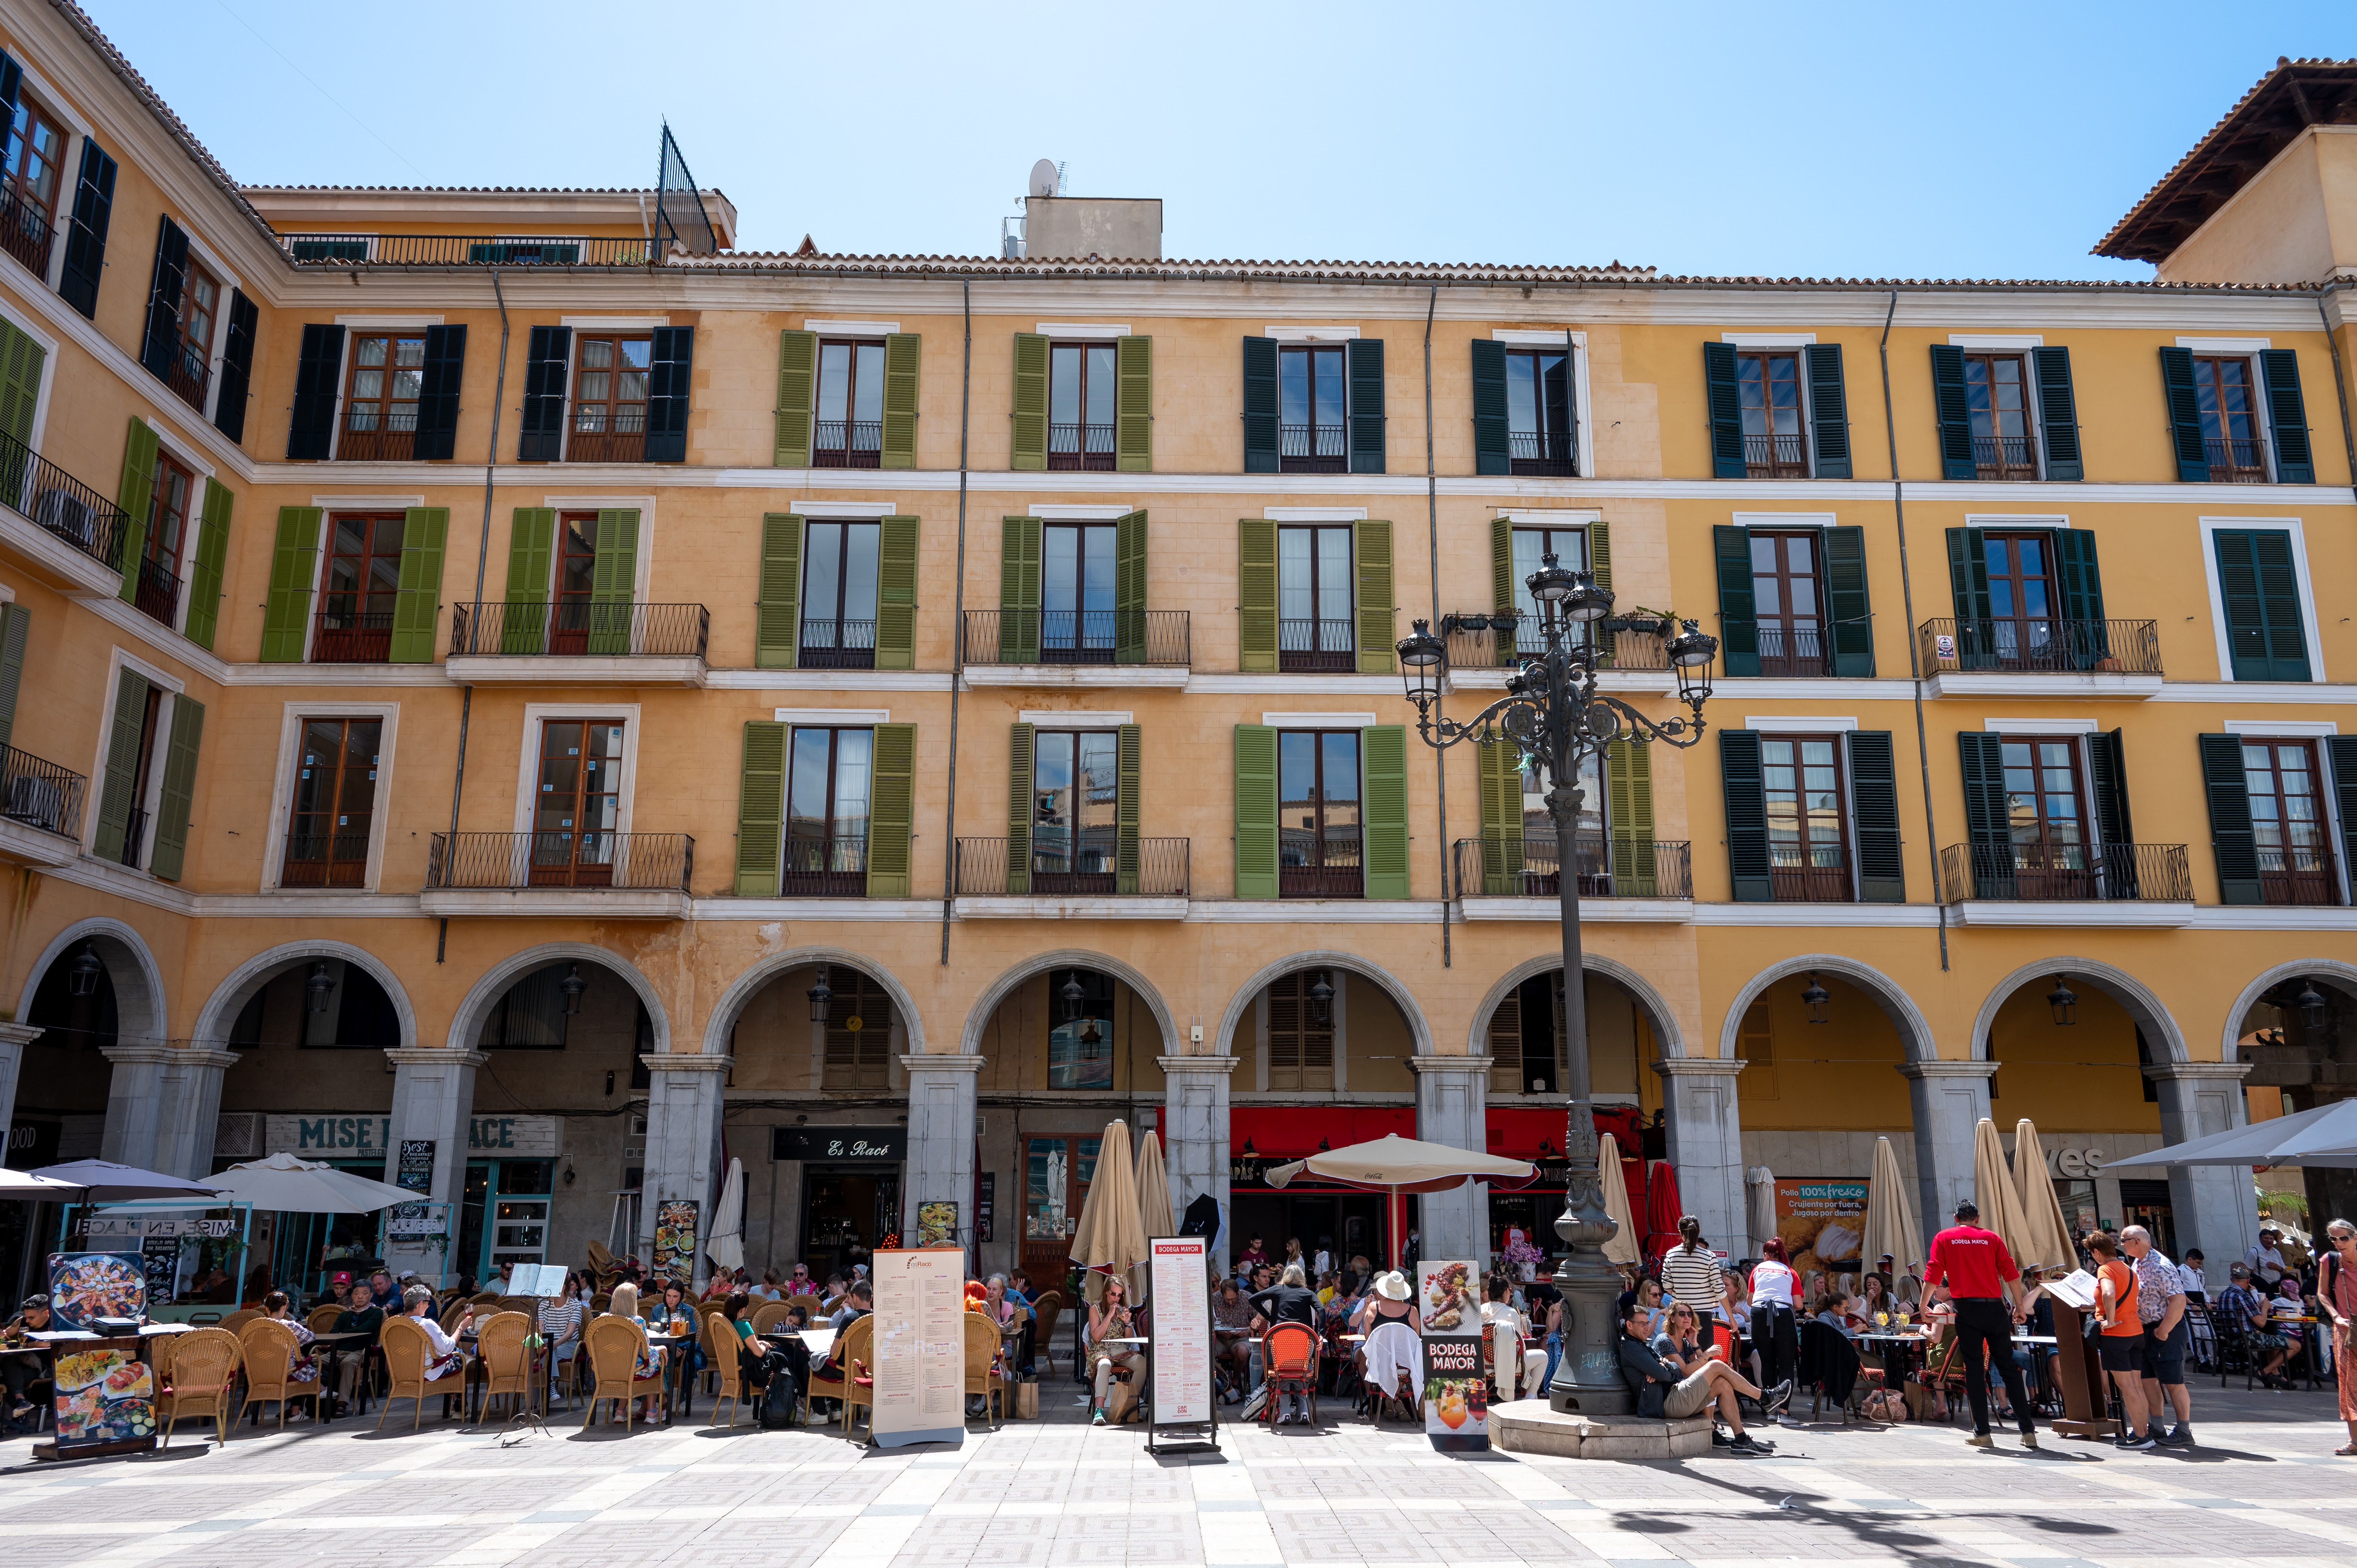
(1948, 1070)
(1207, 1065)
(433, 1056)
(1421, 1065)
(2232, 1070)
(20, 1033)
(1700, 1067)
(686, 1062)
(942, 1061)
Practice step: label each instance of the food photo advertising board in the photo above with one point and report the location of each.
(1179, 1339)
(675, 1239)
(95, 1292)
(1822, 1224)
(919, 1347)
(1456, 1391)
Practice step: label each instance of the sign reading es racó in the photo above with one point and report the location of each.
(523, 1137)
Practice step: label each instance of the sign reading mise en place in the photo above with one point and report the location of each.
(318, 1137)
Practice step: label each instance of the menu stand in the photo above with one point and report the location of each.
(2082, 1378)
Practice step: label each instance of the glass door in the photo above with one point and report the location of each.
(1055, 1184)
(521, 1194)
(578, 803)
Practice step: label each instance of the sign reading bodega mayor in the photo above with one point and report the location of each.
(330, 1137)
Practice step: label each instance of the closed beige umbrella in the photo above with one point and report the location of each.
(1623, 1247)
(1994, 1190)
(1110, 1239)
(1153, 1211)
(2046, 1239)
(1889, 1219)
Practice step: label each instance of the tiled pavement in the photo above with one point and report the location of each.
(2263, 1485)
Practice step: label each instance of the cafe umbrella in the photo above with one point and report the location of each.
(1111, 1240)
(1993, 1189)
(282, 1183)
(1760, 1206)
(1623, 1247)
(726, 1248)
(1396, 1167)
(2326, 1135)
(1154, 1212)
(26, 1186)
(103, 1181)
(2047, 1241)
(1890, 1217)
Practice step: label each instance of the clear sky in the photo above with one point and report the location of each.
(2001, 140)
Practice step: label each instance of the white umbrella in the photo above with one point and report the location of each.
(1392, 1165)
(1890, 1217)
(1623, 1247)
(25, 1185)
(1760, 1208)
(1110, 1241)
(103, 1181)
(726, 1248)
(2326, 1135)
(282, 1184)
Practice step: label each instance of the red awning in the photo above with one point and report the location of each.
(1291, 1131)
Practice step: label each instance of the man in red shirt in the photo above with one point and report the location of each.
(1982, 1277)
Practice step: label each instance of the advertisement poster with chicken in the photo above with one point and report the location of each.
(1455, 1389)
(1823, 1224)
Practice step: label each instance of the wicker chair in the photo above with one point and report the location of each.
(813, 1310)
(321, 1319)
(612, 1345)
(720, 1353)
(407, 1353)
(1045, 1311)
(983, 1375)
(236, 1321)
(450, 1314)
(270, 1350)
(769, 1314)
(855, 1349)
(507, 1364)
(601, 1301)
(202, 1369)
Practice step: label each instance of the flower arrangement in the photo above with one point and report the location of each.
(1522, 1258)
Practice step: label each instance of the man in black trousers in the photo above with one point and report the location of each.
(1982, 1277)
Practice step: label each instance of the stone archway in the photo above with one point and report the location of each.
(1419, 1029)
(221, 1010)
(467, 1024)
(730, 1008)
(141, 1015)
(978, 1016)
(1915, 1035)
(2343, 975)
(1657, 1010)
(2131, 994)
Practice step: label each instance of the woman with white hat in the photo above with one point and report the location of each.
(1391, 1360)
(1393, 1299)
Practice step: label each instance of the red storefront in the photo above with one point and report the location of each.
(1263, 1136)
(1537, 1136)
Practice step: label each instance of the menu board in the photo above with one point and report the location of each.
(412, 1171)
(87, 1287)
(919, 1347)
(1179, 1282)
(937, 1223)
(543, 1281)
(106, 1398)
(160, 1255)
(1456, 1390)
(675, 1238)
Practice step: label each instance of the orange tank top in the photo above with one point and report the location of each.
(2123, 1305)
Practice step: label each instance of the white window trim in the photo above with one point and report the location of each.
(1076, 718)
(1773, 521)
(2043, 727)
(78, 132)
(1583, 423)
(23, 323)
(1536, 337)
(282, 801)
(1768, 339)
(1314, 514)
(847, 329)
(642, 569)
(2309, 624)
(2286, 729)
(1082, 331)
(2003, 521)
(1319, 721)
(215, 349)
(172, 688)
(596, 323)
(832, 718)
(169, 443)
(2226, 345)
(1803, 724)
(387, 323)
(857, 511)
(1759, 341)
(537, 715)
(1311, 334)
(1082, 513)
(1997, 340)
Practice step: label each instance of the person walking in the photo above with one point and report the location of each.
(1981, 1278)
(2336, 1300)
(2123, 1335)
(1690, 1268)
(2160, 1308)
(1775, 1336)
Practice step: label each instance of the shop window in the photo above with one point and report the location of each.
(1057, 1173)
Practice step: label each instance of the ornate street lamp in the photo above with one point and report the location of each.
(572, 986)
(1817, 996)
(82, 979)
(820, 996)
(2064, 1002)
(1552, 713)
(1073, 997)
(2311, 1003)
(1321, 1001)
(320, 986)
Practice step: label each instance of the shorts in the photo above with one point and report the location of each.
(1686, 1397)
(2164, 1355)
(2122, 1352)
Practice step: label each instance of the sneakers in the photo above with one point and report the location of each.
(1719, 1439)
(1097, 1417)
(1742, 1444)
(2141, 1442)
(2181, 1438)
(1980, 1440)
(2029, 1440)
(1773, 1401)
(1258, 1403)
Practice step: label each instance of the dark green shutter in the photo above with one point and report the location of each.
(1493, 446)
(1874, 806)
(1365, 358)
(777, 618)
(1847, 603)
(1382, 767)
(159, 351)
(14, 629)
(1969, 591)
(1129, 768)
(12, 79)
(1629, 804)
(236, 367)
(798, 396)
(1256, 596)
(174, 804)
(2107, 783)
(134, 492)
(438, 393)
(21, 359)
(1949, 404)
(1371, 551)
(1740, 776)
(531, 563)
(1021, 554)
(761, 809)
(1028, 410)
(212, 559)
(896, 593)
(670, 375)
(417, 601)
(2342, 751)
(94, 205)
(613, 580)
(1022, 805)
(1129, 580)
(892, 815)
(1260, 406)
(2058, 412)
(547, 353)
(1828, 409)
(121, 782)
(1725, 404)
(1133, 427)
(1255, 811)
(1501, 820)
(2286, 416)
(2083, 631)
(1739, 605)
(2184, 415)
(318, 371)
(900, 383)
(1988, 824)
(2228, 790)
(2259, 591)
(294, 560)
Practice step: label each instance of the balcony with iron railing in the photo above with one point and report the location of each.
(846, 444)
(1481, 639)
(1317, 646)
(1528, 866)
(341, 635)
(496, 641)
(836, 645)
(1314, 865)
(27, 232)
(1063, 864)
(1081, 447)
(1149, 639)
(2237, 459)
(64, 509)
(325, 860)
(2298, 875)
(183, 366)
(1809, 874)
(333, 252)
(2042, 872)
(1312, 448)
(830, 867)
(2004, 457)
(2039, 646)
(605, 874)
(372, 436)
(37, 793)
(1794, 651)
(1783, 456)
(621, 440)
(135, 837)
(158, 592)
(1542, 454)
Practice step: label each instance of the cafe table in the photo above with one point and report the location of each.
(335, 1347)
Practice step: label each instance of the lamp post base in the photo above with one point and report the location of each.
(1589, 1382)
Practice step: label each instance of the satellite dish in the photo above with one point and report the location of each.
(1043, 178)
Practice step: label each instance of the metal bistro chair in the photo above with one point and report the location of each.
(1289, 1353)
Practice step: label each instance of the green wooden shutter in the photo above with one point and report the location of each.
(2259, 592)
(1501, 820)
(2340, 750)
(896, 594)
(1132, 420)
(417, 601)
(1949, 400)
(1027, 430)
(613, 580)
(2228, 791)
(17, 623)
(1726, 411)
(2286, 416)
(1874, 804)
(1969, 593)
(1629, 797)
(168, 855)
(798, 396)
(1022, 805)
(136, 494)
(761, 809)
(1988, 825)
(1260, 406)
(1365, 356)
(1382, 767)
(2058, 412)
(671, 373)
(1129, 766)
(892, 811)
(1599, 553)
(2184, 415)
(1255, 811)
(1129, 580)
(1371, 549)
(1501, 584)
(1021, 548)
(1828, 409)
(1493, 447)
(1256, 597)
(2107, 755)
(211, 560)
(532, 546)
(1739, 605)
(294, 560)
(900, 356)
(778, 621)
(318, 377)
(2083, 581)
(1847, 604)
(21, 359)
(121, 783)
(444, 373)
(1740, 776)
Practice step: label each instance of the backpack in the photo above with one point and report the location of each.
(777, 1402)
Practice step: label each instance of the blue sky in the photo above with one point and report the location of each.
(1997, 140)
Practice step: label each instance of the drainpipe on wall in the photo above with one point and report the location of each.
(1907, 599)
(1432, 529)
(2340, 382)
(957, 627)
(475, 624)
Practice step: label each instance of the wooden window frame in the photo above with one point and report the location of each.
(2043, 879)
(840, 868)
(358, 633)
(2313, 885)
(1553, 453)
(18, 191)
(345, 864)
(1799, 650)
(1079, 634)
(573, 870)
(2021, 641)
(1996, 455)
(1765, 453)
(1314, 656)
(610, 441)
(190, 376)
(386, 437)
(848, 1063)
(1100, 845)
(1084, 456)
(1313, 438)
(856, 447)
(1808, 881)
(2234, 458)
(1320, 880)
(853, 645)
(156, 592)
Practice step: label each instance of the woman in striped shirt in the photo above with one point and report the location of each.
(560, 1325)
(1690, 1270)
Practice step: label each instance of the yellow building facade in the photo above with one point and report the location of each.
(505, 702)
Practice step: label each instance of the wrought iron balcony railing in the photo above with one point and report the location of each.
(2039, 645)
(836, 645)
(1313, 865)
(1082, 447)
(2298, 875)
(1313, 448)
(579, 627)
(157, 592)
(55, 501)
(833, 867)
(1088, 862)
(325, 860)
(2004, 457)
(846, 444)
(1810, 874)
(589, 859)
(1542, 454)
(1783, 456)
(335, 250)
(342, 636)
(183, 366)
(1315, 646)
(2043, 873)
(2237, 459)
(1479, 639)
(39, 794)
(25, 231)
(1078, 636)
(1528, 867)
(379, 435)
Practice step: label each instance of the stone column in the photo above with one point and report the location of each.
(1705, 1134)
(13, 1038)
(1195, 1131)
(433, 1100)
(1949, 1100)
(941, 1140)
(683, 1108)
(163, 1107)
(2212, 1205)
(1452, 1100)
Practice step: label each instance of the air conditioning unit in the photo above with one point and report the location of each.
(237, 1135)
(63, 513)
